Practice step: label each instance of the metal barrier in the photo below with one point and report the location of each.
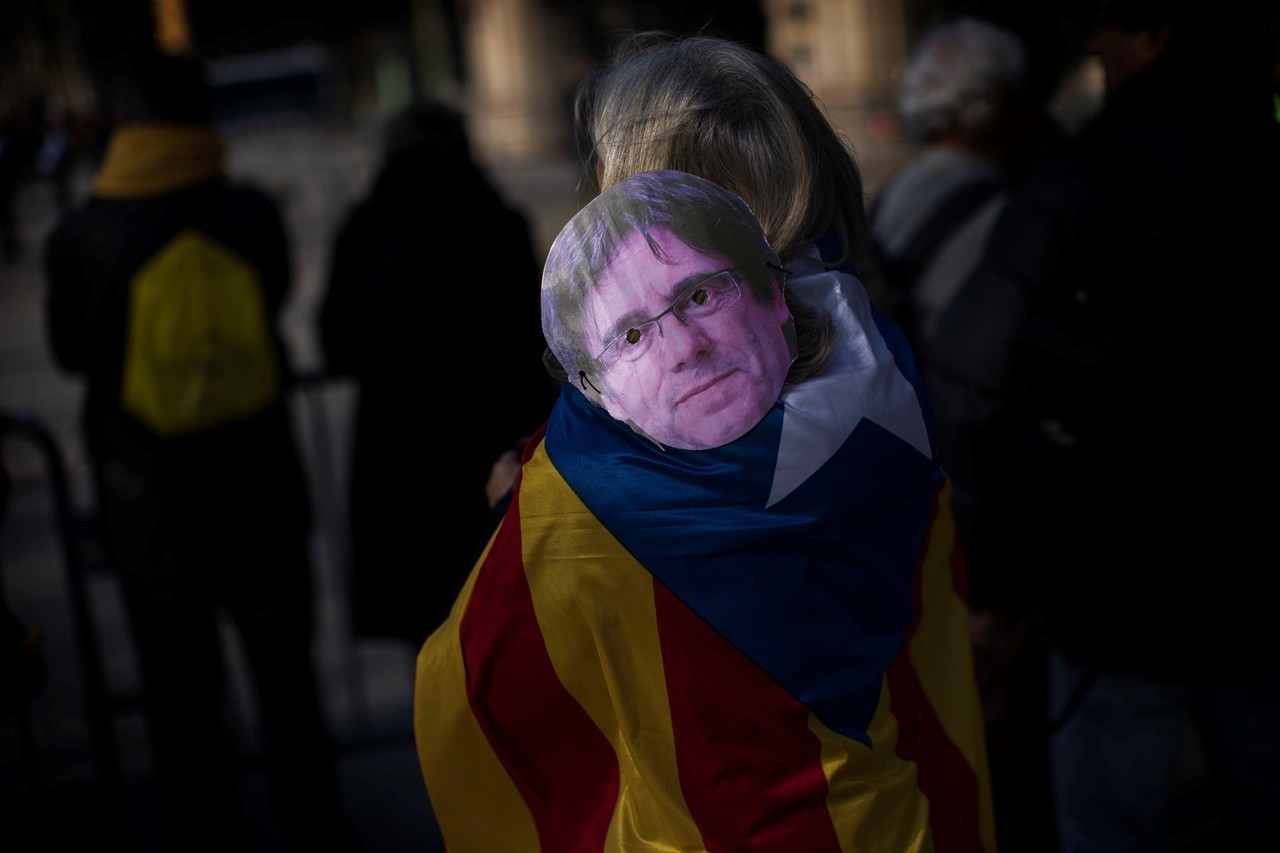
(100, 706)
(322, 414)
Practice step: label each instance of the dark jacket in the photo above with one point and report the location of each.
(433, 307)
(245, 475)
(1103, 368)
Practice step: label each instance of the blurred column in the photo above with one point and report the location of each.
(851, 53)
(516, 98)
(172, 25)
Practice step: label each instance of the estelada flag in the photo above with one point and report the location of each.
(761, 646)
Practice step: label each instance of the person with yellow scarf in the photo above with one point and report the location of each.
(211, 521)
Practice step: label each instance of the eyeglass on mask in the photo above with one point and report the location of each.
(696, 302)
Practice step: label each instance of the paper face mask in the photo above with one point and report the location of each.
(664, 296)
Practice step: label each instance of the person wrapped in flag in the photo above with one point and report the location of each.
(725, 609)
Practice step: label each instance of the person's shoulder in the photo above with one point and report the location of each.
(505, 222)
(245, 206)
(510, 216)
(1066, 177)
(70, 219)
(75, 222)
(370, 217)
(61, 238)
(249, 195)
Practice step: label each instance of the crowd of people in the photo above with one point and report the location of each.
(773, 515)
(1061, 373)
(968, 104)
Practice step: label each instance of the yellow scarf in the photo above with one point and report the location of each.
(150, 158)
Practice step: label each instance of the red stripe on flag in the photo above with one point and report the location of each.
(945, 777)
(564, 768)
(750, 767)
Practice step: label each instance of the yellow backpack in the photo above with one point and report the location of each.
(199, 350)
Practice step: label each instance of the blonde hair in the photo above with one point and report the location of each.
(728, 113)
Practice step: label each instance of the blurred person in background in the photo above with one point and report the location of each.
(200, 491)
(1106, 359)
(433, 247)
(966, 103)
(969, 103)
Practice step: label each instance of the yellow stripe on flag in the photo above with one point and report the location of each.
(479, 808)
(592, 597)
(946, 668)
(874, 798)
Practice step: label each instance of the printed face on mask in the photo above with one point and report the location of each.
(689, 354)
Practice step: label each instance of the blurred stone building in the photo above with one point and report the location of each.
(523, 58)
(511, 65)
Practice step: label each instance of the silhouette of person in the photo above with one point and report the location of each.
(620, 558)
(433, 267)
(208, 524)
(1106, 368)
(969, 102)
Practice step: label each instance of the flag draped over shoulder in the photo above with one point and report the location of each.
(762, 646)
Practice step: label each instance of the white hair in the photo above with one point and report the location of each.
(951, 78)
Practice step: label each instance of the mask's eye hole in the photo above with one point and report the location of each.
(633, 336)
(700, 297)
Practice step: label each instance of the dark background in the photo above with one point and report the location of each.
(90, 32)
